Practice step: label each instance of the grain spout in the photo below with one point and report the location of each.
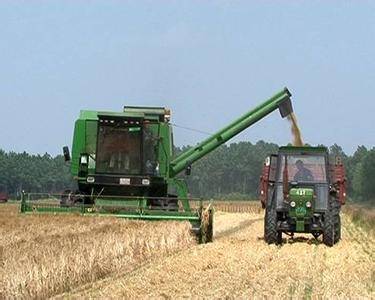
(296, 132)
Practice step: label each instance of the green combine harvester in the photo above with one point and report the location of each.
(124, 166)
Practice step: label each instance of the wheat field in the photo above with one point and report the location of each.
(240, 265)
(44, 255)
(96, 257)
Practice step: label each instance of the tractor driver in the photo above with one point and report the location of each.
(303, 174)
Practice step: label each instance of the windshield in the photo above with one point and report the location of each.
(303, 168)
(119, 149)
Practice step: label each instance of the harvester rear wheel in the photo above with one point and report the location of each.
(271, 235)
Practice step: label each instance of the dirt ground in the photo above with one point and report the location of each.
(239, 264)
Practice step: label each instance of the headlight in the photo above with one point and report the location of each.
(293, 204)
(146, 181)
(308, 204)
(90, 179)
(84, 160)
(125, 181)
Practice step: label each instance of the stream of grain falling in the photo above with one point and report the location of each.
(296, 132)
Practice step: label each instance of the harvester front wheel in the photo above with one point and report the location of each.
(70, 198)
(206, 232)
(271, 235)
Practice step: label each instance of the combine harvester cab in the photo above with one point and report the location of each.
(124, 166)
(302, 191)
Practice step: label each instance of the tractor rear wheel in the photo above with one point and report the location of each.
(332, 224)
(337, 219)
(271, 235)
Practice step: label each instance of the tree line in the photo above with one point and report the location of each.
(33, 173)
(231, 171)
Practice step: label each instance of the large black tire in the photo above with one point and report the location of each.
(271, 235)
(332, 223)
(66, 199)
(337, 220)
(338, 229)
(165, 204)
(70, 198)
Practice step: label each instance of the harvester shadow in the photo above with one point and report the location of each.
(237, 228)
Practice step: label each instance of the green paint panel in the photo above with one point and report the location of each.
(301, 212)
(164, 150)
(79, 145)
(111, 208)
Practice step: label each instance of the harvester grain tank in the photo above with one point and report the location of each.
(124, 166)
(302, 190)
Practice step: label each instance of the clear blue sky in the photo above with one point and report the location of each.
(209, 61)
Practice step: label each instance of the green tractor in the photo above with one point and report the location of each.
(302, 191)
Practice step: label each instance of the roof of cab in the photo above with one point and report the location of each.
(303, 149)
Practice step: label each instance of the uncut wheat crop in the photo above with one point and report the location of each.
(44, 255)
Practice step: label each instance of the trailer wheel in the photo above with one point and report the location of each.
(271, 235)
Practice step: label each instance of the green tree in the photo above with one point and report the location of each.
(364, 173)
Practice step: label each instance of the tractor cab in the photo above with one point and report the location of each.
(301, 189)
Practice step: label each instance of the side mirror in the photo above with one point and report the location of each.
(66, 153)
(188, 170)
